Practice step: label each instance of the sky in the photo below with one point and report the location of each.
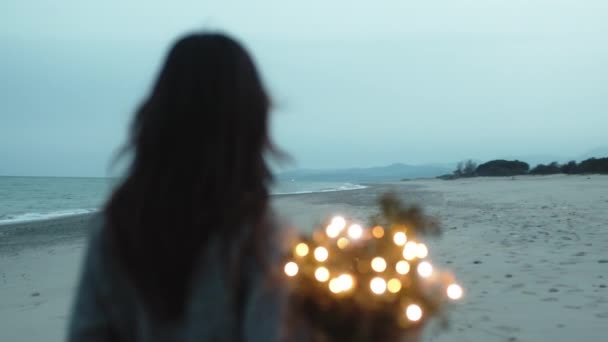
(354, 83)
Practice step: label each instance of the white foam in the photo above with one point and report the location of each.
(27, 217)
(341, 187)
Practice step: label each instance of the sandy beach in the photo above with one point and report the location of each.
(532, 253)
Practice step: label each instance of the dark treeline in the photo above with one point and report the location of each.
(501, 168)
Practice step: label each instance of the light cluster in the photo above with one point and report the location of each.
(382, 271)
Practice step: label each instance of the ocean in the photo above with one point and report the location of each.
(38, 198)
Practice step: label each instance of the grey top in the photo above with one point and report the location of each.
(106, 307)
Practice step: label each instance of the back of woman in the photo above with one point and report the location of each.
(182, 249)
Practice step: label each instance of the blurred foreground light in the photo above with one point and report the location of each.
(399, 238)
(355, 231)
(413, 312)
(378, 232)
(394, 285)
(378, 285)
(334, 286)
(322, 274)
(321, 254)
(422, 251)
(346, 282)
(409, 251)
(302, 249)
(402, 267)
(342, 242)
(332, 231)
(291, 268)
(339, 222)
(425, 269)
(454, 292)
(378, 264)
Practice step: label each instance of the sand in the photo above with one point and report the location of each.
(532, 253)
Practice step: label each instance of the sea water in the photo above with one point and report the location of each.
(38, 198)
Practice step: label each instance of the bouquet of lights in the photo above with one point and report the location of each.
(355, 283)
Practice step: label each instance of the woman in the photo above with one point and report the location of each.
(182, 250)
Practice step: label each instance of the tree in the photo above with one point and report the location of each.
(503, 167)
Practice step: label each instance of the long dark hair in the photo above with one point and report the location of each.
(198, 171)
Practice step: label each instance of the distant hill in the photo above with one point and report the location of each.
(393, 172)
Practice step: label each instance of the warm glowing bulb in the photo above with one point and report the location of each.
(421, 251)
(342, 242)
(345, 281)
(378, 232)
(425, 269)
(409, 251)
(454, 291)
(321, 254)
(378, 285)
(291, 268)
(334, 286)
(355, 231)
(322, 274)
(394, 285)
(399, 238)
(302, 249)
(378, 264)
(339, 222)
(402, 267)
(413, 312)
(332, 231)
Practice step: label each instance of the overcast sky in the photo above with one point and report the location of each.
(355, 83)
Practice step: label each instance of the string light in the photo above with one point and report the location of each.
(378, 285)
(399, 238)
(291, 269)
(378, 232)
(421, 251)
(402, 267)
(386, 262)
(332, 231)
(378, 264)
(409, 251)
(413, 312)
(342, 242)
(454, 291)
(394, 285)
(339, 222)
(321, 254)
(301, 249)
(322, 274)
(425, 269)
(355, 231)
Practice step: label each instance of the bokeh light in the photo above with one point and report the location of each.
(378, 264)
(394, 285)
(302, 249)
(291, 268)
(322, 274)
(378, 232)
(425, 269)
(413, 312)
(339, 222)
(399, 238)
(355, 231)
(378, 285)
(321, 254)
(402, 267)
(409, 251)
(421, 251)
(454, 291)
(342, 242)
